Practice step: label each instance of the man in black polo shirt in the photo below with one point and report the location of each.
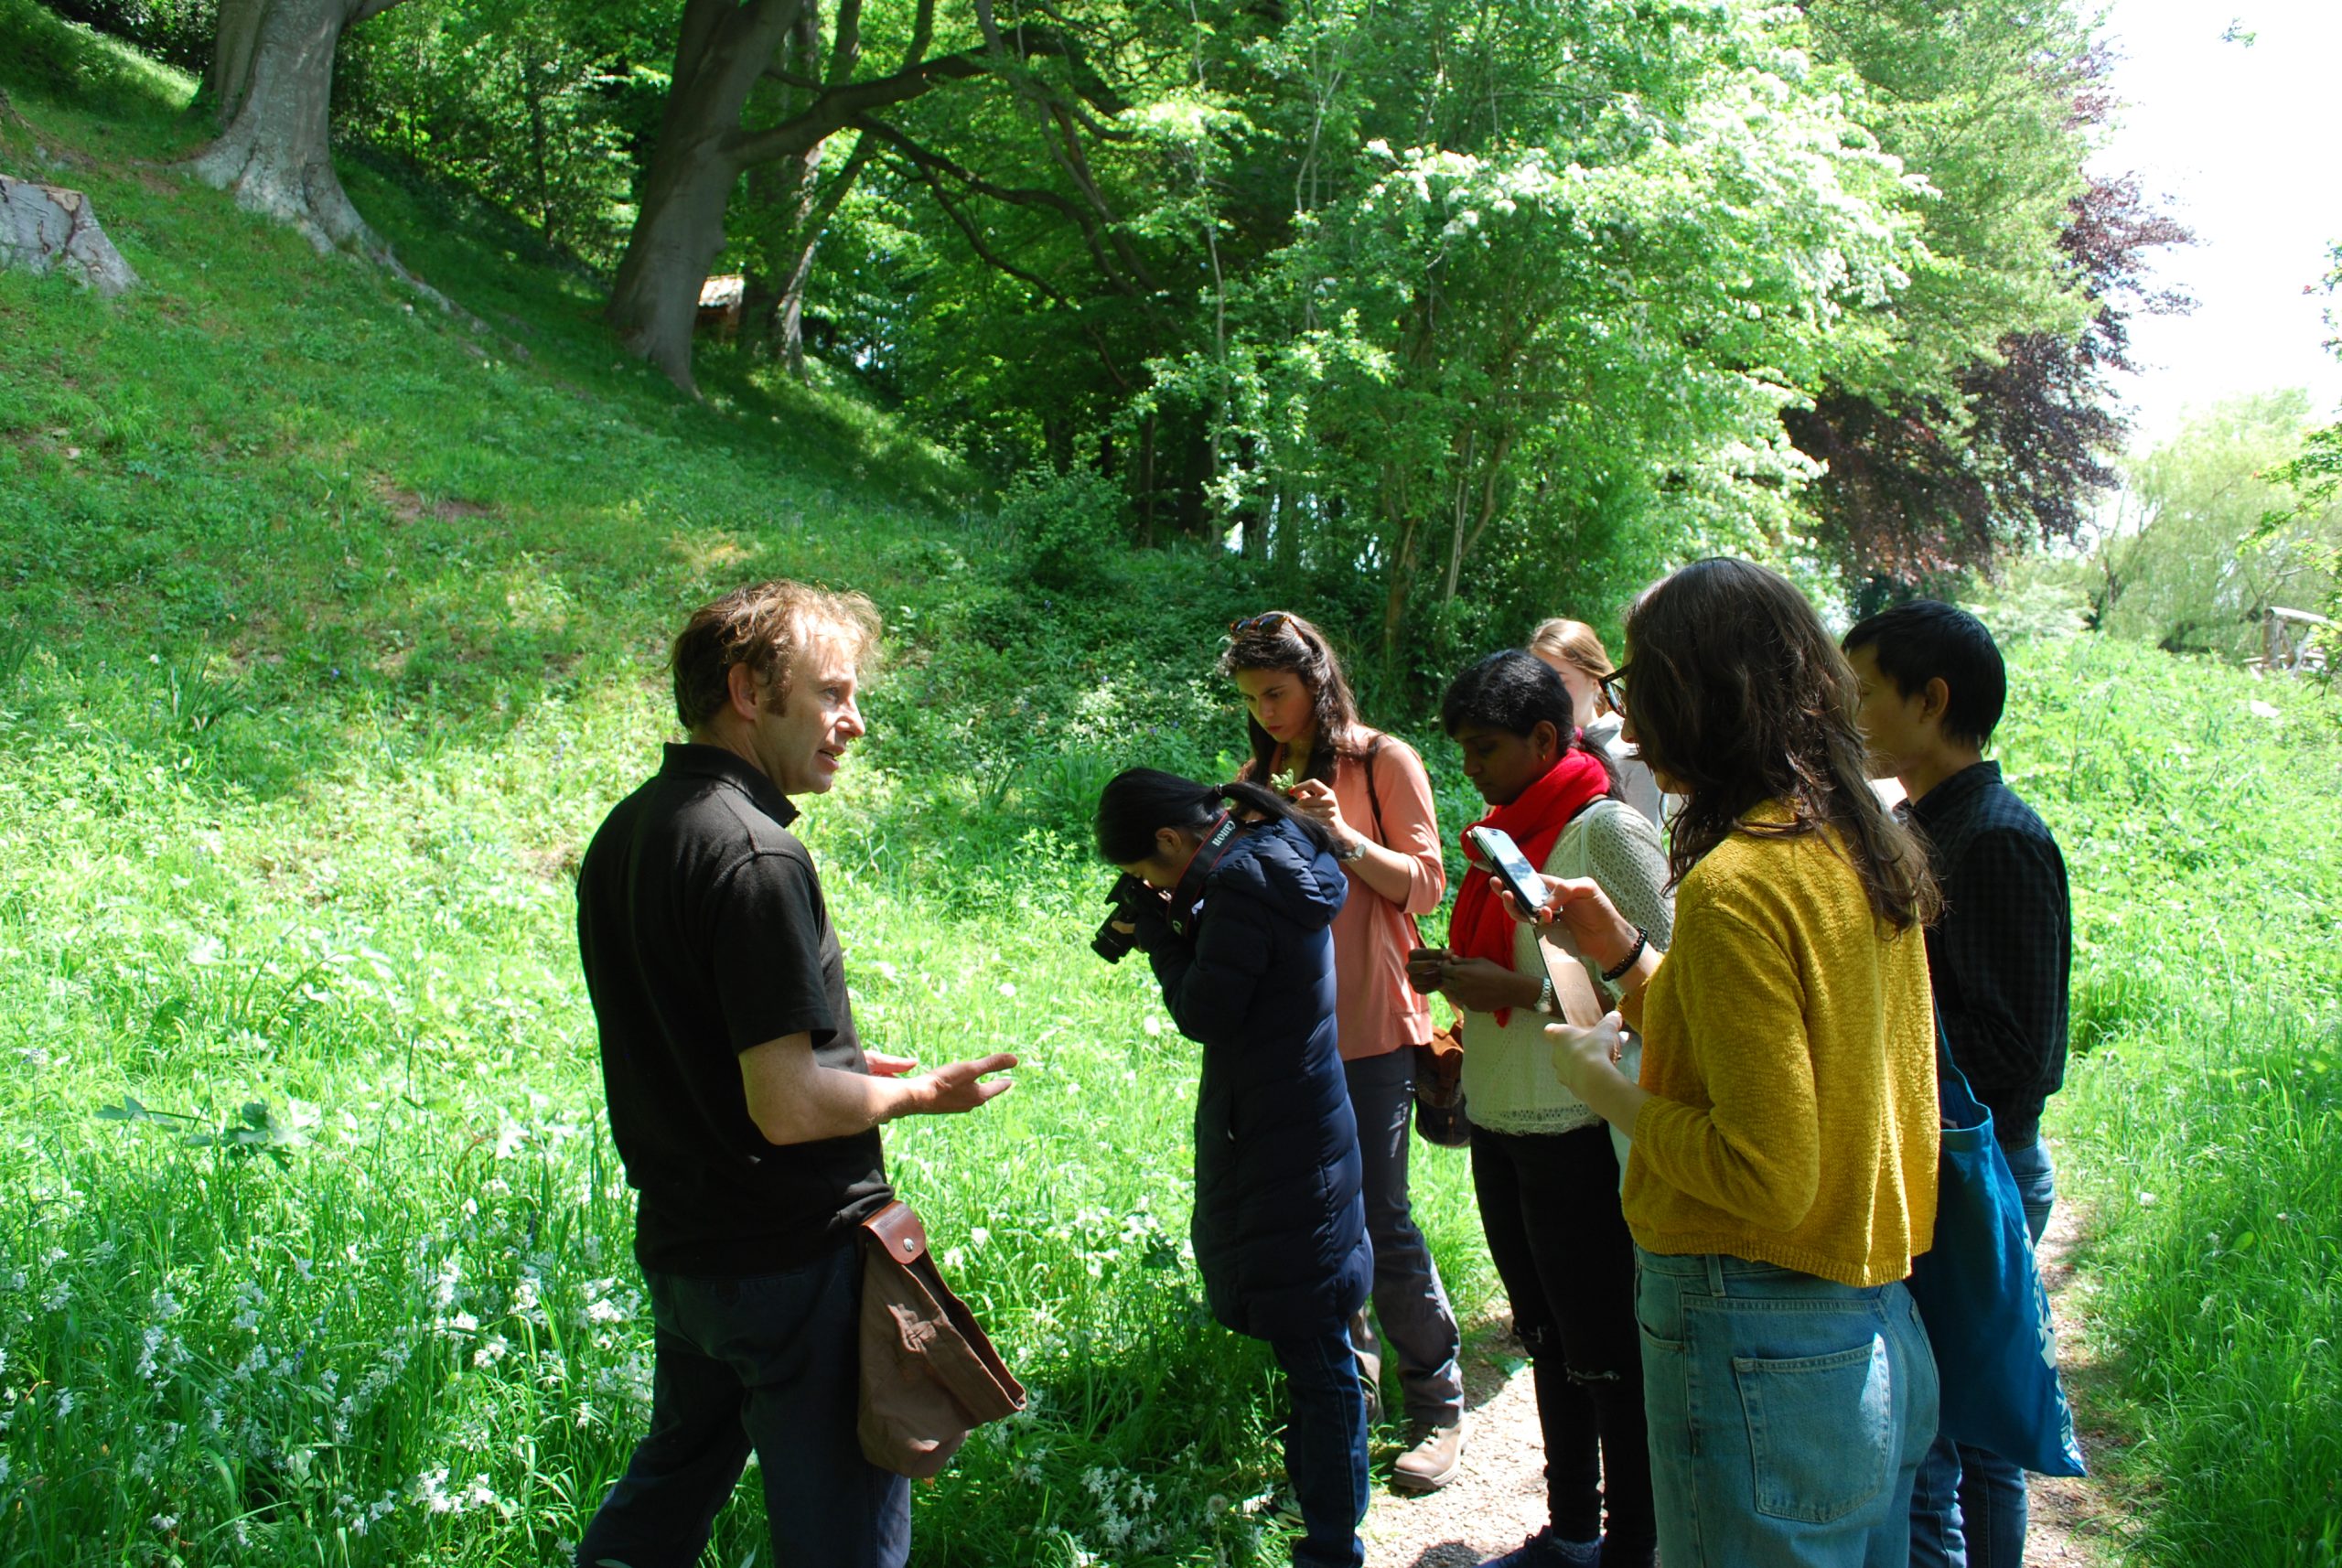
(741, 1100)
(1932, 687)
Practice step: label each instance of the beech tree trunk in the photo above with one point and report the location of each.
(271, 81)
(654, 303)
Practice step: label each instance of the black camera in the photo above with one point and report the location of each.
(1108, 943)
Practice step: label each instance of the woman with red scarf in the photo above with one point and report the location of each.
(1544, 1165)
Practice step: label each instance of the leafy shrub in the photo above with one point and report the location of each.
(1068, 528)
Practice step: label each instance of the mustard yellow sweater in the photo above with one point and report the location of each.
(1790, 1042)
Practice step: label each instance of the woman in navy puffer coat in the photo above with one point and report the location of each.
(1245, 955)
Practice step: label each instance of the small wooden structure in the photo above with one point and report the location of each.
(2291, 641)
(720, 299)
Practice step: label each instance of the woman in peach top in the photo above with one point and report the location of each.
(1371, 791)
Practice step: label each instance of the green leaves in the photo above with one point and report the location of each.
(254, 1129)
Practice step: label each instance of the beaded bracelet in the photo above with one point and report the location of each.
(1642, 941)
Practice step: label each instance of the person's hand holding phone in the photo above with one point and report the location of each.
(1583, 912)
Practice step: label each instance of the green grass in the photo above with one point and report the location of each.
(2201, 815)
(330, 625)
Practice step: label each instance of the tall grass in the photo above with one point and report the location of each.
(332, 627)
(2201, 815)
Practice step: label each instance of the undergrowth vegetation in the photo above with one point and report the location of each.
(333, 625)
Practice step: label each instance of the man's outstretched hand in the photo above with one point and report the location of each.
(961, 1086)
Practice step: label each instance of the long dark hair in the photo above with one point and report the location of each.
(1515, 691)
(1282, 641)
(1736, 692)
(1138, 800)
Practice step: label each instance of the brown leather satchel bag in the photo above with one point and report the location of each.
(928, 1375)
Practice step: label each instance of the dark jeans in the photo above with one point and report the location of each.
(1408, 1300)
(1324, 1448)
(1549, 1203)
(770, 1362)
(1968, 1506)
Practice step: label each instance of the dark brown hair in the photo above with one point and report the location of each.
(1282, 641)
(762, 627)
(1736, 692)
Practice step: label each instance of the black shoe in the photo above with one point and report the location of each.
(1547, 1550)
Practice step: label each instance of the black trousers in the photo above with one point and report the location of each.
(770, 1362)
(1549, 1204)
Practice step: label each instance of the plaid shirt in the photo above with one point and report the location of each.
(2001, 955)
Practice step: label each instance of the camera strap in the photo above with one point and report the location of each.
(1189, 894)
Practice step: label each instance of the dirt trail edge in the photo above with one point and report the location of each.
(1501, 1497)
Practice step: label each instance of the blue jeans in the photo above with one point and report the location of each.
(1968, 1507)
(770, 1363)
(1325, 1447)
(1788, 1414)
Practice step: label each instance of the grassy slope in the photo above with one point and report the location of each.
(331, 628)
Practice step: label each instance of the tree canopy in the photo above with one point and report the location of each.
(1454, 312)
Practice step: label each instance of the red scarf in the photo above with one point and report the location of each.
(1480, 927)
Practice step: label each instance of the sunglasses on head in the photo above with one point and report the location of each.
(1271, 622)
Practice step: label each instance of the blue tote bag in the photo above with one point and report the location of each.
(1981, 1297)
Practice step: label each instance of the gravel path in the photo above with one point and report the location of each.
(1501, 1497)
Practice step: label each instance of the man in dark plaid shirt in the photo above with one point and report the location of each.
(1932, 687)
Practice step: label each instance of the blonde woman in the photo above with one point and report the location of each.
(1576, 653)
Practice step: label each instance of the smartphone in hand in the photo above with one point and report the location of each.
(1509, 866)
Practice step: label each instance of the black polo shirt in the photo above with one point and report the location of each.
(701, 926)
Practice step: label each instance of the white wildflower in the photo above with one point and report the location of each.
(431, 1491)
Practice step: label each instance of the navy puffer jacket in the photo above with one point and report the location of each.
(1279, 1230)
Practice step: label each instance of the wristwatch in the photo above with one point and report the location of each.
(1354, 850)
(1545, 995)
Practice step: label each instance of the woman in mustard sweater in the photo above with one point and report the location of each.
(1785, 1129)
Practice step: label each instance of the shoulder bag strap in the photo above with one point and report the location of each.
(1374, 803)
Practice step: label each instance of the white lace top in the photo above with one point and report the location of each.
(1509, 1081)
